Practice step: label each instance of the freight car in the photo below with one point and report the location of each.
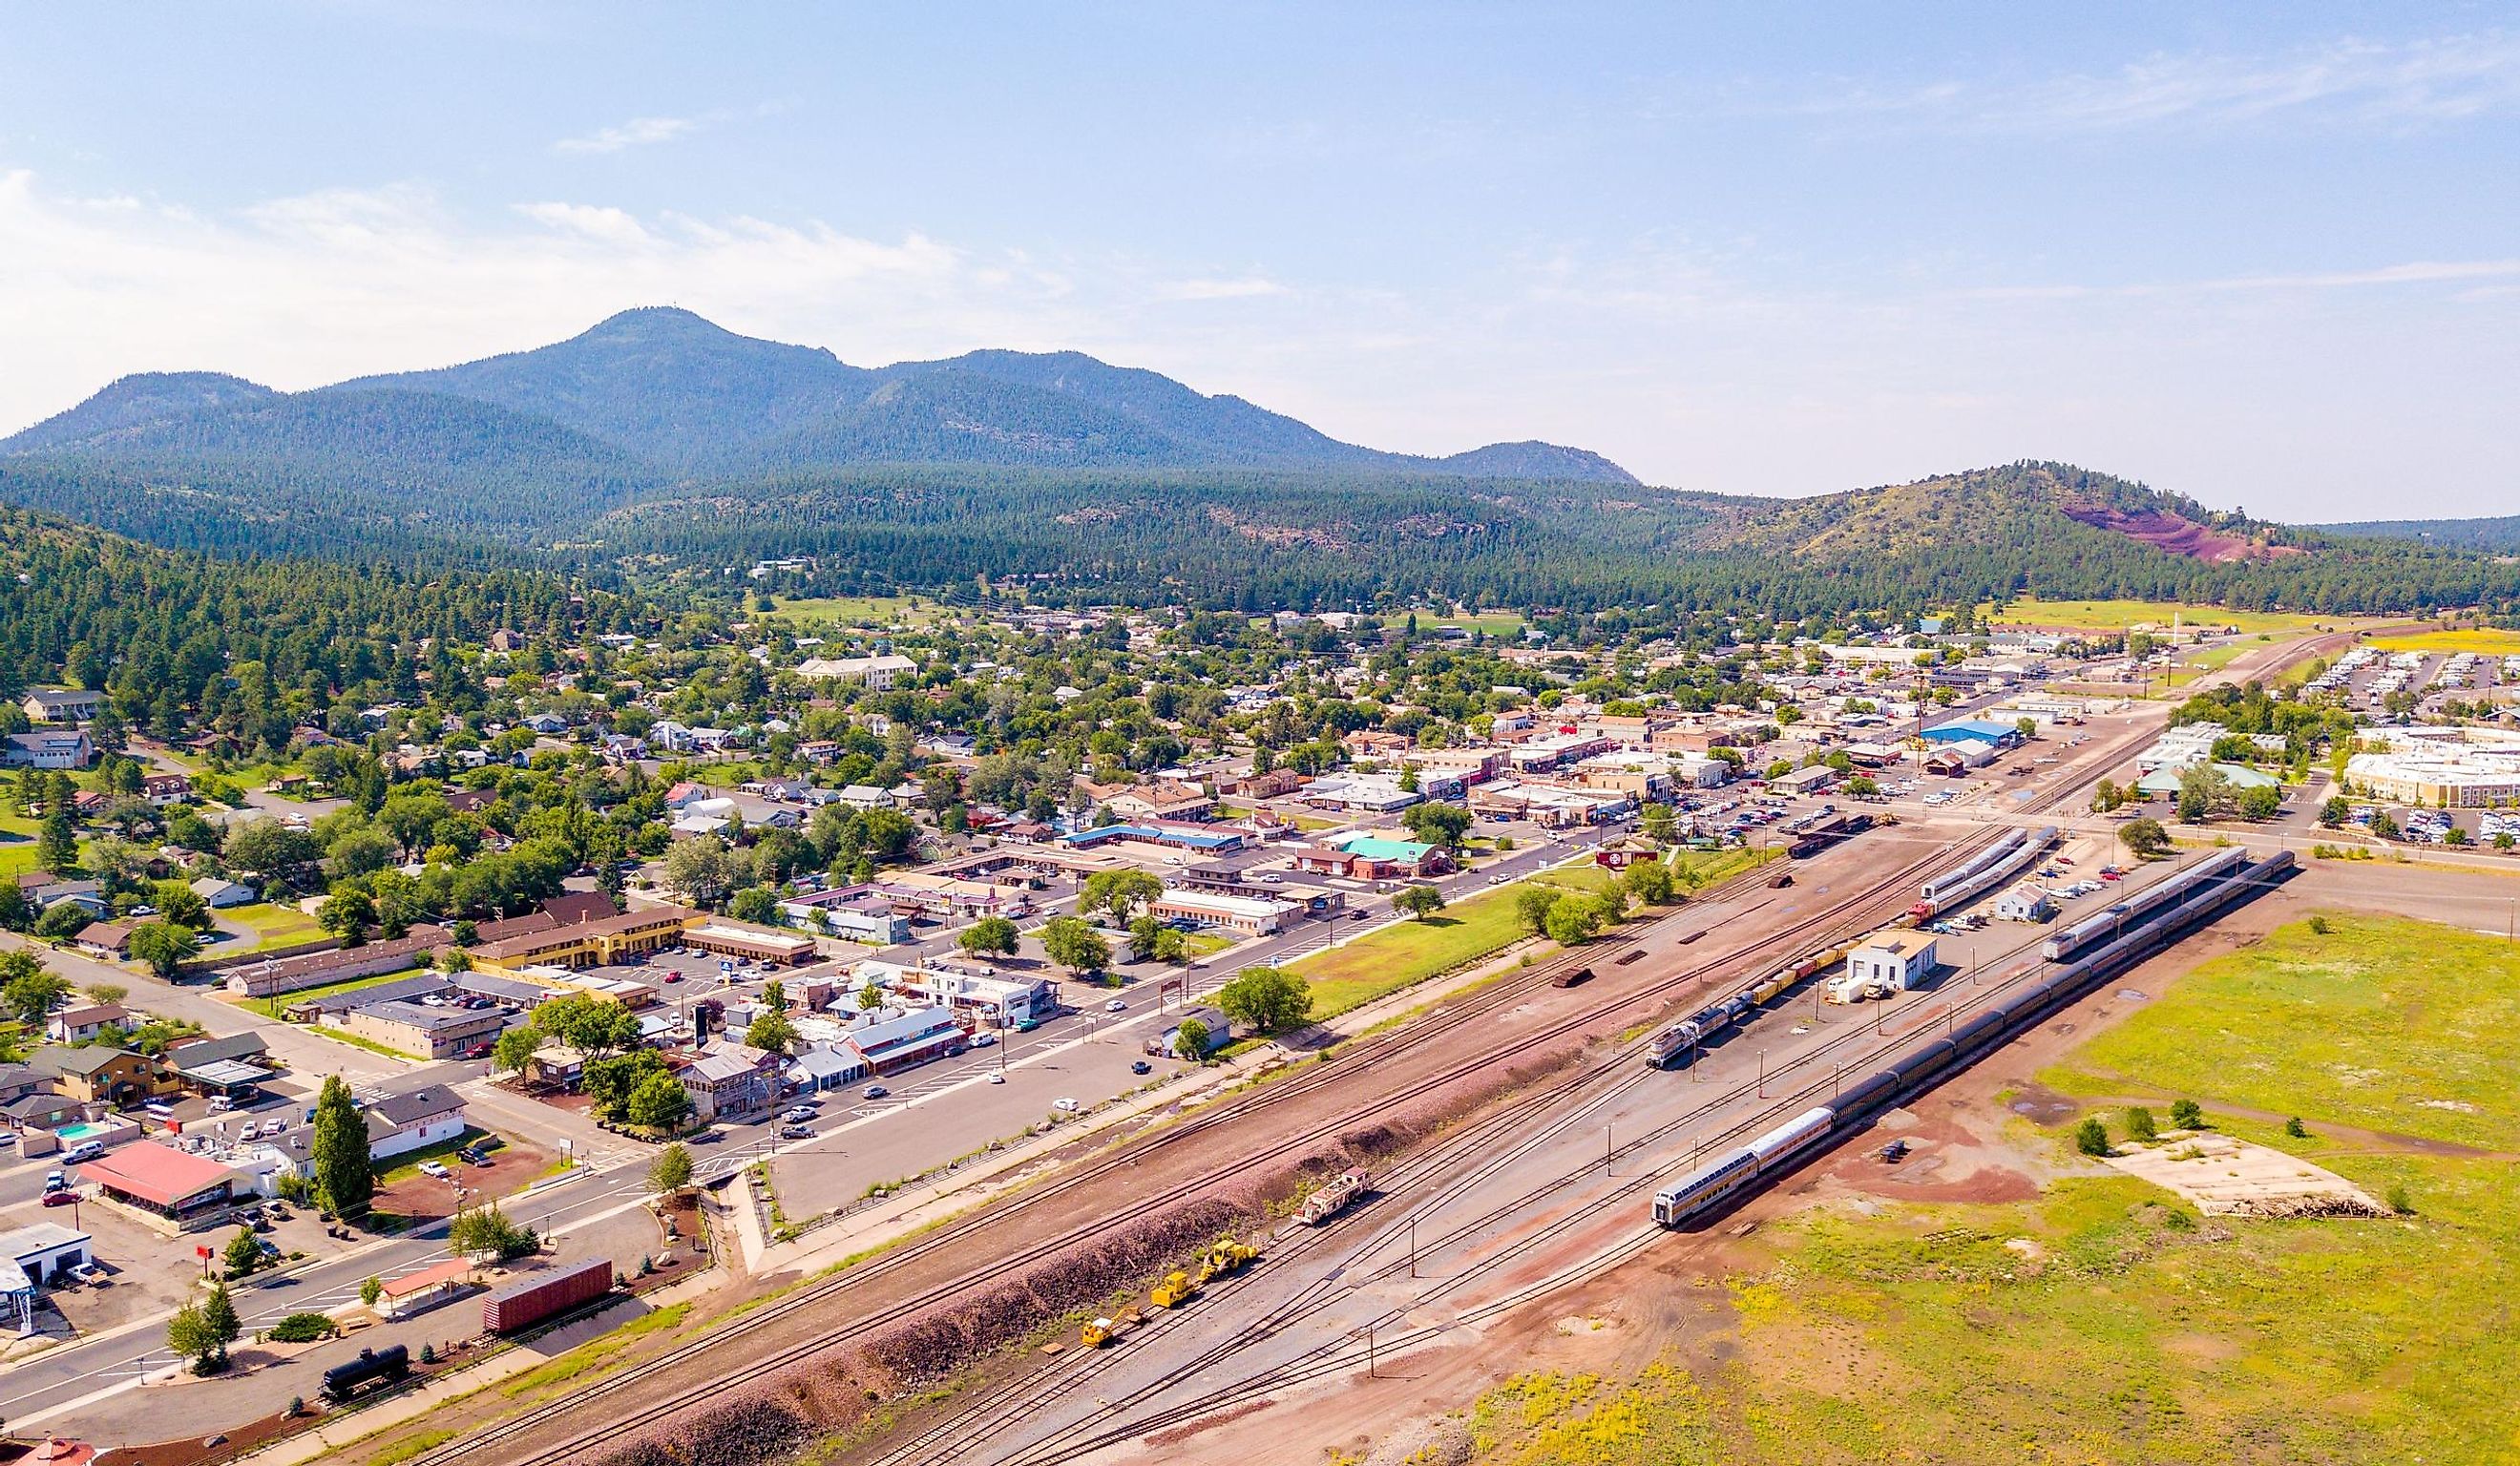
(1685, 1036)
(1333, 1196)
(2200, 896)
(1826, 831)
(1573, 976)
(388, 1366)
(545, 1296)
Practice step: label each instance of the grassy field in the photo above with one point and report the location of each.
(1713, 867)
(272, 1006)
(16, 844)
(271, 925)
(2118, 615)
(1410, 952)
(2403, 1025)
(2102, 1322)
(1491, 623)
(857, 610)
(2484, 640)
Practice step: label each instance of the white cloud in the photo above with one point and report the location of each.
(2370, 82)
(1244, 288)
(638, 132)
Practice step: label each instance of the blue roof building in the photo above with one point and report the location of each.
(2000, 735)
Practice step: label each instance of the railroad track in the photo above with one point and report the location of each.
(630, 1384)
(950, 1440)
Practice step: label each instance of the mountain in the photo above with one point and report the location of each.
(2500, 535)
(138, 401)
(660, 382)
(661, 393)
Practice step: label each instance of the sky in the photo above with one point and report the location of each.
(2264, 255)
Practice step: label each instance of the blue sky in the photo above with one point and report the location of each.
(2264, 255)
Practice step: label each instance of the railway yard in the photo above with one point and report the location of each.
(1516, 1139)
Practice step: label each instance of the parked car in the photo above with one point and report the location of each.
(995, 1078)
(89, 1274)
(435, 1169)
(85, 1151)
(797, 1131)
(798, 1114)
(59, 1198)
(874, 1091)
(1142, 1067)
(983, 1040)
(1065, 1105)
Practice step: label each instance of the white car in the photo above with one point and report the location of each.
(983, 1040)
(1065, 1105)
(432, 1167)
(995, 1078)
(1116, 1005)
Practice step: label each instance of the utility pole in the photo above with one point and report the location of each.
(1413, 1247)
(1369, 1362)
(1763, 1074)
(1607, 1151)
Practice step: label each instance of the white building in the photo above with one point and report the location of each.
(1247, 914)
(1898, 957)
(2024, 904)
(879, 673)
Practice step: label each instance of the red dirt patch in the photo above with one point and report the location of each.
(2178, 535)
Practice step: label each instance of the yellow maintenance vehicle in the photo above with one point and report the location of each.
(1102, 1331)
(1225, 1259)
(1174, 1291)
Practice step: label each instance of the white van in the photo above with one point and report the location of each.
(85, 1151)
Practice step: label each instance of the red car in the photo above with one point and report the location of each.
(61, 1198)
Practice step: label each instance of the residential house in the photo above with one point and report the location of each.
(880, 672)
(221, 894)
(82, 1022)
(40, 891)
(61, 705)
(429, 1115)
(98, 1075)
(110, 939)
(47, 749)
(165, 789)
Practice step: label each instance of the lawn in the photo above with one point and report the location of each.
(16, 844)
(2484, 640)
(2101, 1323)
(1489, 623)
(1713, 867)
(855, 610)
(2398, 1025)
(407, 1165)
(1410, 952)
(2118, 615)
(271, 925)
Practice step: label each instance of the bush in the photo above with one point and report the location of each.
(303, 1329)
(2186, 1114)
(2295, 1129)
(2401, 1200)
(2092, 1137)
(2318, 926)
(2140, 1126)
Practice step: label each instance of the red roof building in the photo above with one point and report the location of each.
(162, 1179)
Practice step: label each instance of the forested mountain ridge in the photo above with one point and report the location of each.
(675, 396)
(2501, 534)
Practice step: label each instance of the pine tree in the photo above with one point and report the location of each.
(345, 1176)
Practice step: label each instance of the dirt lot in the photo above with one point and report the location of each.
(427, 1198)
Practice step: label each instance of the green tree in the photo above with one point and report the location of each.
(182, 905)
(1437, 824)
(345, 1174)
(1417, 902)
(2140, 1126)
(244, 1253)
(486, 1232)
(2186, 1114)
(1650, 882)
(1658, 824)
(2335, 811)
(29, 989)
(661, 1103)
(1573, 919)
(2261, 802)
(671, 1170)
(1075, 946)
(2295, 1129)
(2092, 1137)
(756, 904)
(371, 1290)
(513, 1050)
(2145, 837)
(1118, 892)
(348, 913)
(703, 871)
(1190, 1041)
(164, 947)
(1531, 903)
(990, 936)
(611, 1079)
(772, 1029)
(1266, 998)
(1170, 947)
(56, 847)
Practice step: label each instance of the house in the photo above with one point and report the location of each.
(98, 1075)
(470, 801)
(41, 891)
(429, 1115)
(43, 1110)
(1374, 858)
(110, 939)
(221, 894)
(1219, 1032)
(163, 789)
(2024, 904)
(549, 725)
(825, 1067)
(79, 1024)
(878, 674)
(61, 705)
(1270, 785)
(17, 1082)
(1898, 957)
(865, 797)
(190, 1190)
(732, 1079)
(45, 749)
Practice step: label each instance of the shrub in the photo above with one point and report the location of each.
(2092, 1137)
(303, 1329)
(2318, 926)
(2401, 1200)
(2140, 1126)
(2186, 1114)
(2295, 1129)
